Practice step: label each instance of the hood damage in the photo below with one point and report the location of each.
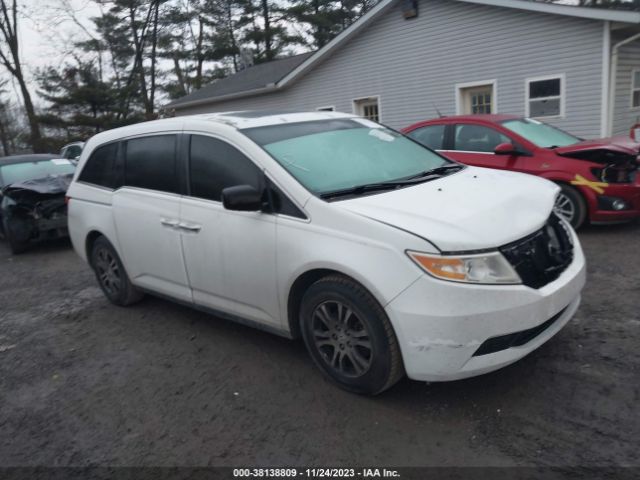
(36, 208)
(618, 158)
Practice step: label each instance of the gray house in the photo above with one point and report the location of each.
(577, 68)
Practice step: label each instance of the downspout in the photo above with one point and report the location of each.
(612, 82)
(606, 77)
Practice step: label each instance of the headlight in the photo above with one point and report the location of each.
(489, 267)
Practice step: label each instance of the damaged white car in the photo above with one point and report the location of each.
(385, 257)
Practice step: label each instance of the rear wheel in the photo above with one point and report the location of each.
(111, 275)
(571, 206)
(349, 336)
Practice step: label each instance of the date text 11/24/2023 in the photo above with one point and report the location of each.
(365, 473)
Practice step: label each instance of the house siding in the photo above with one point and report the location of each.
(414, 65)
(628, 60)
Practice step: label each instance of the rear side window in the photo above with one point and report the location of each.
(100, 169)
(431, 136)
(216, 165)
(151, 163)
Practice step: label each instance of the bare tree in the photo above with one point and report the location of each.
(10, 59)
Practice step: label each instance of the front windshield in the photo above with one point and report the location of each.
(19, 172)
(540, 134)
(331, 155)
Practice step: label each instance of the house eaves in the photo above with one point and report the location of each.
(221, 98)
(604, 14)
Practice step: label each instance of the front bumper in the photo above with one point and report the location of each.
(441, 325)
(630, 193)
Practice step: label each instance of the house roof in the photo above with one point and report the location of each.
(279, 74)
(258, 77)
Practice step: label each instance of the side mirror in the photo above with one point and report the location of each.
(242, 198)
(506, 149)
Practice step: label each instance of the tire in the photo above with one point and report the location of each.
(571, 205)
(349, 336)
(111, 274)
(17, 247)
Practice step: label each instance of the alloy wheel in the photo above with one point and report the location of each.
(342, 339)
(108, 271)
(565, 207)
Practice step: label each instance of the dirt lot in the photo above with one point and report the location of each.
(85, 383)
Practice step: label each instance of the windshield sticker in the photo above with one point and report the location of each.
(60, 161)
(381, 135)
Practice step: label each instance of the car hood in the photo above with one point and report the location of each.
(619, 144)
(476, 208)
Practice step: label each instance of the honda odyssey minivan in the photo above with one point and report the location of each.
(385, 257)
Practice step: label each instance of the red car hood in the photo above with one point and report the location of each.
(620, 144)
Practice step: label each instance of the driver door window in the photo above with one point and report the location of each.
(216, 165)
(475, 145)
(477, 138)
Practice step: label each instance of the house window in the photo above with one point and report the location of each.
(368, 108)
(635, 89)
(545, 97)
(326, 109)
(476, 98)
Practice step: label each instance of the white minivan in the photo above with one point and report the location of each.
(385, 257)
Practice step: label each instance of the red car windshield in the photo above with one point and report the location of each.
(540, 134)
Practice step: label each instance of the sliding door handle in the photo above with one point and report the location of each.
(167, 222)
(190, 227)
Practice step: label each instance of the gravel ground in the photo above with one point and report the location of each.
(83, 382)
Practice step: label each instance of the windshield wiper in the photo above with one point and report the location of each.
(375, 187)
(421, 177)
(438, 171)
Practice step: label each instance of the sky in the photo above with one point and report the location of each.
(47, 30)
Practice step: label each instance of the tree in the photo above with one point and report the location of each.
(264, 25)
(80, 103)
(10, 59)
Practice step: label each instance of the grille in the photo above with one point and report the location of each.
(517, 339)
(541, 257)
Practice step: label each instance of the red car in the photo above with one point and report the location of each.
(599, 178)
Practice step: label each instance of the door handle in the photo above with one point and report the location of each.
(190, 227)
(166, 222)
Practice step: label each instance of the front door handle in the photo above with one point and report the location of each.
(190, 227)
(167, 222)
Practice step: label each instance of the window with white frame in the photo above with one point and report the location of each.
(368, 108)
(635, 88)
(545, 96)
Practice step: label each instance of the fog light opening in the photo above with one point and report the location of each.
(619, 205)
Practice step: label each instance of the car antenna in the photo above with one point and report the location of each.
(437, 110)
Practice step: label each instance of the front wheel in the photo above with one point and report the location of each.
(349, 336)
(111, 275)
(15, 245)
(571, 206)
